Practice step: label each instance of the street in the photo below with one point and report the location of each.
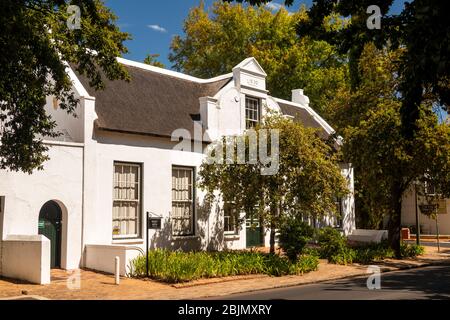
(431, 282)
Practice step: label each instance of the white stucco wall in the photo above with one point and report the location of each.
(61, 181)
(348, 203)
(73, 124)
(428, 224)
(102, 257)
(26, 258)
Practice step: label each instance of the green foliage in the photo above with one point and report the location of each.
(411, 250)
(366, 254)
(333, 246)
(176, 266)
(294, 235)
(152, 60)
(36, 45)
(306, 183)
(216, 40)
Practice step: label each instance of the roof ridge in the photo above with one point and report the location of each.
(172, 73)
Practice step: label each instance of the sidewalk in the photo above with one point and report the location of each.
(101, 286)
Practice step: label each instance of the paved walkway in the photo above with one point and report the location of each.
(94, 285)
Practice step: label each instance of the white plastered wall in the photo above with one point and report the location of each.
(60, 181)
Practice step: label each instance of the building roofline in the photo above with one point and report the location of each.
(171, 72)
(329, 129)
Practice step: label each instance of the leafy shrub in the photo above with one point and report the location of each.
(176, 266)
(333, 246)
(411, 250)
(294, 235)
(345, 256)
(311, 251)
(373, 252)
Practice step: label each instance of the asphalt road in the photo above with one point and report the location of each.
(431, 282)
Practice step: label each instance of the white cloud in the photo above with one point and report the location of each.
(274, 6)
(157, 28)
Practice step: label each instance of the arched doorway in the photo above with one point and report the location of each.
(50, 218)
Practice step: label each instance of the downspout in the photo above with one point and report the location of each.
(83, 209)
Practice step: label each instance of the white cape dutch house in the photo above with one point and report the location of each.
(116, 162)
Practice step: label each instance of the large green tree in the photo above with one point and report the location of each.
(217, 40)
(306, 183)
(386, 162)
(37, 40)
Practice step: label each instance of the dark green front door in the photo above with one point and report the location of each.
(50, 226)
(253, 233)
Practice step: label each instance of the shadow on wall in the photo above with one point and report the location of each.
(208, 235)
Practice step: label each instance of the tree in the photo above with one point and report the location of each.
(385, 161)
(38, 39)
(216, 41)
(305, 185)
(152, 60)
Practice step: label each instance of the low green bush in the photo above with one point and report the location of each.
(333, 246)
(311, 251)
(411, 250)
(176, 266)
(294, 235)
(366, 254)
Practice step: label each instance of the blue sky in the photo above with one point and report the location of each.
(153, 23)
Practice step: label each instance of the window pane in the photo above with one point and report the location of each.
(230, 218)
(182, 201)
(252, 112)
(126, 204)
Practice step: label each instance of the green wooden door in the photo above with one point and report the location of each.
(253, 233)
(50, 226)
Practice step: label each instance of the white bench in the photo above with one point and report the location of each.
(365, 235)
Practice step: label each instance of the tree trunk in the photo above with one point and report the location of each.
(394, 225)
(274, 214)
(272, 238)
(262, 232)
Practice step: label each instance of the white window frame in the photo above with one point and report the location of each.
(191, 201)
(255, 118)
(229, 206)
(138, 200)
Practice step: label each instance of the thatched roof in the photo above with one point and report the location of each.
(152, 103)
